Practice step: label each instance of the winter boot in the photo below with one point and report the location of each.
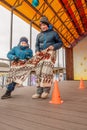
(35, 96)
(38, 93)
(44, 95)
(6, 95)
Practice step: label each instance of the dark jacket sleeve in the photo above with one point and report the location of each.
(11, 54)
(58, 42)
(37, 48)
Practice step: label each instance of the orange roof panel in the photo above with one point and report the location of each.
(67, 17)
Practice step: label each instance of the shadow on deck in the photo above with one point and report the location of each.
(21, 112)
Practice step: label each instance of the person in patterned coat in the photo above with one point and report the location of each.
(49, 41)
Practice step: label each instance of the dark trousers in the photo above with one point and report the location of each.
(40, 90)
(11, 86)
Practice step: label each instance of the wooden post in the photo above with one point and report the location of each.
(69, 64)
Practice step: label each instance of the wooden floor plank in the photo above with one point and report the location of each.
(26, 120)
(5, 126)
(39, 114)
(21, 112)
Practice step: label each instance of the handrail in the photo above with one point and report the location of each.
(4, 59)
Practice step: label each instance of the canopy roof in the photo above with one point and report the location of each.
(68, 17)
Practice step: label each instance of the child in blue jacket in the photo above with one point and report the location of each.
(21, 52)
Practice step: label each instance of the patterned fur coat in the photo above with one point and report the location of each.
(42, 63)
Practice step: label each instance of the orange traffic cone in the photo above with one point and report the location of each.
(56, 94)
(81, 86)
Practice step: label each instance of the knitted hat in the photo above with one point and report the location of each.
(44, 20)
(23, 39)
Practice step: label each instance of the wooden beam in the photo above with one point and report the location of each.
(69, 63)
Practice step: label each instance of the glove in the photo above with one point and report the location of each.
(16, 59)
(27, 58)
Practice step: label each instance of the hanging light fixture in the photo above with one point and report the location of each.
(35, 3)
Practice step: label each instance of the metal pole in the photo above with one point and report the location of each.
(30, 34)
(63, 56)
(58, 64)
(29, 78)
(11, 29)
(58, 58)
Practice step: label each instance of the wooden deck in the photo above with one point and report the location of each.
(24, 113)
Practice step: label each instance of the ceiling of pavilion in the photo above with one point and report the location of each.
(68, 17)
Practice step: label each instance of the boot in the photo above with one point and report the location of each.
(6, 95)
(44, 95)
(38, 93)
(35, 96)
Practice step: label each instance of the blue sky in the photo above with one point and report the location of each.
(20, 28)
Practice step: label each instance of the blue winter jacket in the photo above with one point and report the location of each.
(20, 52)
(48, 38)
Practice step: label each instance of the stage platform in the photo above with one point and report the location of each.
(21, 112)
